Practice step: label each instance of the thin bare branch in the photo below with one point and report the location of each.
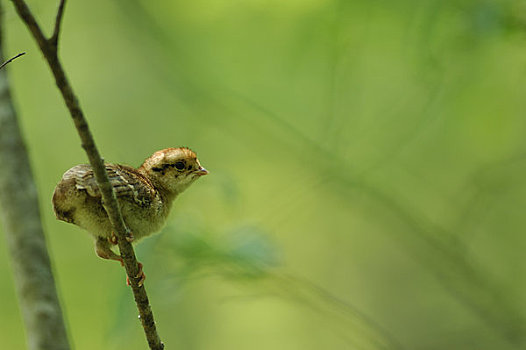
(58, 22)
(11, 59)
(108, 195)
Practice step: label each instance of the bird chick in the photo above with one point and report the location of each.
(145, 195)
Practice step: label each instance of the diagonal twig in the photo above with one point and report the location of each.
(11, 59)
(50, 51)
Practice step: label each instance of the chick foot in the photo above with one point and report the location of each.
(113, 238)
(140, 275)
(103, 250)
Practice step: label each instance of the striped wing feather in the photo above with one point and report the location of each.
(127, 182)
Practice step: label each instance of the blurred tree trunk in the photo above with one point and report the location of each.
(20, 218)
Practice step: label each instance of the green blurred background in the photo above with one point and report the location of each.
(367, 160)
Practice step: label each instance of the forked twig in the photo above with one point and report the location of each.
(58, 22)
(49, 47)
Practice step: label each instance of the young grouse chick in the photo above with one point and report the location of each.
(145, 195)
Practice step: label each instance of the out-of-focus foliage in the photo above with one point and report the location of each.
(367, 159)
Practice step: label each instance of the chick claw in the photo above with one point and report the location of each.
(113, 238)
(139, 275)
(129, 236)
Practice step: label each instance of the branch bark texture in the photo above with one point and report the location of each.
(35, 286)
(49, 48)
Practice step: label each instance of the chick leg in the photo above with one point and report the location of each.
(103, 249)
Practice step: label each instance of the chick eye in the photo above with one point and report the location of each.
(179, 165)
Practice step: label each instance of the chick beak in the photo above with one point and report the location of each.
(201, 171)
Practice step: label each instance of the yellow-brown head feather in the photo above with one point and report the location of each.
(173, 169)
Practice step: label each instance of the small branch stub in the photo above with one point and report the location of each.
(11, 59)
